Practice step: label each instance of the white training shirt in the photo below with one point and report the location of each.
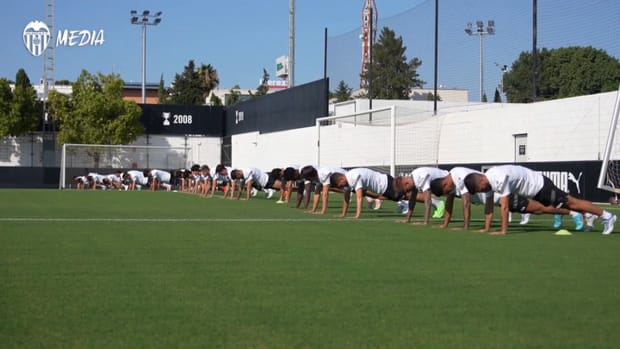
(367, 179)
(423, 176)
(219, 177)
(458, 175)
(113, 178)
(97, 178)
(255, 175)
(161, 176)
(325, 173)
(507, 179)
(138, 177)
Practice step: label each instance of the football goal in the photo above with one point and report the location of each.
(79, 159)
(609, 177)
(393, 139)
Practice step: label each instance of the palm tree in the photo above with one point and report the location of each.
(209, 79)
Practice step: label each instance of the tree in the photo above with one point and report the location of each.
(431, 97)
(19, 111)
(263, 88)
(234, 96)
(342, 93)
(497, 98)
(561, 73)
(392, 76)
(215, 100)
(161, 91)
(95, 113)
(194, 84)
(209, 78)
(6, 99)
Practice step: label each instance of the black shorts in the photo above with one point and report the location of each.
(550, 195)
(517, 203)
(270, 182)
(390, 193)
(318, 187)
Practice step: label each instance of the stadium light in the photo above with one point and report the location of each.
(147, 19)
(480, 31)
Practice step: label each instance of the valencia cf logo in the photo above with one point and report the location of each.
(36, 37)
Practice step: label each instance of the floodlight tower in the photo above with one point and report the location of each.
(49, 57)
(481, 32)
(369, 31)
(146, 18)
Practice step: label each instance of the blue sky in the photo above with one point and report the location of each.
(240, 38)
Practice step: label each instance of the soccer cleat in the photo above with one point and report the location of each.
(280, 202)
(439, 210)
(269, 193)
(588, 229)
(578, 218)
(378, 204)
(557, 221)
(254, 191)
(608, 225)
(525, 218)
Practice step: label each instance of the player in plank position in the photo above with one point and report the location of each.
(159, 178)
(453, 185)
(320, 180)
(519, 180)
(422, 177)
(366, 182)
(252, 178)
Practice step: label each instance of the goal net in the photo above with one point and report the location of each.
(80, 159)
(393, 140)
(609, 177)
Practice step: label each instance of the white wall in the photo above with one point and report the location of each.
(275, 149)
(560, 130)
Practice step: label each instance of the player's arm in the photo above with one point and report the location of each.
(466, 201)
(427, 206)
(248, 189)
(504, 201)
(345, 202)
(413, 198)
(233, 188)
(325, 198)
(359, 196)
(300, 194)
(316, 197)
(488, 213)
(448, 214)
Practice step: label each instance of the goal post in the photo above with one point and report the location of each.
(609, 177)
(392, 140)
(79, 159)
(349, 140)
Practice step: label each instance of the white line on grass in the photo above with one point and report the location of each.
(185, 220)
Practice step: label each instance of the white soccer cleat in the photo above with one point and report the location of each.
(608, 225)
(525, 218)
(253, 192)
(269, 193)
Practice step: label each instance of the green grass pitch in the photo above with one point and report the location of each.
(109, 269)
